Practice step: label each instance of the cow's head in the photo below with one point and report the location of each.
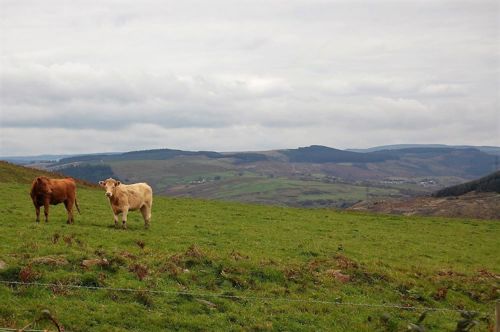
(110, 185)
(43, 185)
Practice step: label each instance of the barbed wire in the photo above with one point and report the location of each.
(240, 297)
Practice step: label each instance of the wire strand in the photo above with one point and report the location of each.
(237, 297)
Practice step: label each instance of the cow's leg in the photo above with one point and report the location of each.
(69, 208)
(46, 210)
(146, 214)
(124, 217)
(37, 210)
(115, 215)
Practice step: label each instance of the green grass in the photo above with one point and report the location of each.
(261, 189)
(251, 251)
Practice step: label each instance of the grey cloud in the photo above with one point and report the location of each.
(254, 74)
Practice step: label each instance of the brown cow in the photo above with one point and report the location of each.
(128, 197)
(45, 192)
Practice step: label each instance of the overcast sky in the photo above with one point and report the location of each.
(94, 76)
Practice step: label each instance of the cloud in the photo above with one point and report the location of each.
(216, 75)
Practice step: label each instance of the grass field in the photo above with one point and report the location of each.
(272, 259)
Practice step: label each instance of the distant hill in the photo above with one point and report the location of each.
(307, 176)
(163, 154)
(489, 183)
(494, 150)
(22, 160)
(14, 173)
(155, 154)
(323, 154)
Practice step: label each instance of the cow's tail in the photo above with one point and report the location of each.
(77, 207)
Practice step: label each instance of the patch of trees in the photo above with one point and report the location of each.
(90, 173)
(489, 183)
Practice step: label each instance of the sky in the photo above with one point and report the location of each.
(99, 76)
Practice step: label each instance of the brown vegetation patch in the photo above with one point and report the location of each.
(58, 288)
(485, 274)
(141, 243)
(440, 294)
(68, 239)
(195, 252)
(27, 274)
(471, 205)
(172, 269)
(344, 262)
(338, 275)
(55, 238)
(450, 273)
(93, 262)
(238, 256)
(293, 273)
(229, 274)
(50, 260)
(126, 254)
(140, 270)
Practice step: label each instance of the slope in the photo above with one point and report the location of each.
(272, 267)
(489, 183)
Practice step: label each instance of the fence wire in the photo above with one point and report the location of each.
(240, 297)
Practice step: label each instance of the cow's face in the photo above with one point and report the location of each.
(43, 185)
(110, 185)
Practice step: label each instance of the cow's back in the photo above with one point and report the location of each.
(63, 189)
(137, 194)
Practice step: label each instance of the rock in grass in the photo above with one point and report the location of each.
(3, 265)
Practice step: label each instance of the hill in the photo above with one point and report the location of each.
(323, 154)
(314, 176)
(207, 265)
(14, 173)
(474, 199)
(494, 150)
(489, 183)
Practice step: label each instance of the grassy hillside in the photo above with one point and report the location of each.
(267, 261)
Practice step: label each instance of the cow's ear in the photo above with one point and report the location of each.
(117, 183)
(101, 183)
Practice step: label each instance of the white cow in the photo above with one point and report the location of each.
(128, 197)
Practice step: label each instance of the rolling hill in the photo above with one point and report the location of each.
(489, 183)
(308, 177)
(494, 150)
(208, 265)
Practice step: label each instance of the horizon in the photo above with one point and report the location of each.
(238, 151)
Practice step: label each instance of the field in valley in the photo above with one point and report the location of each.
(314, 176)
(207, 265)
